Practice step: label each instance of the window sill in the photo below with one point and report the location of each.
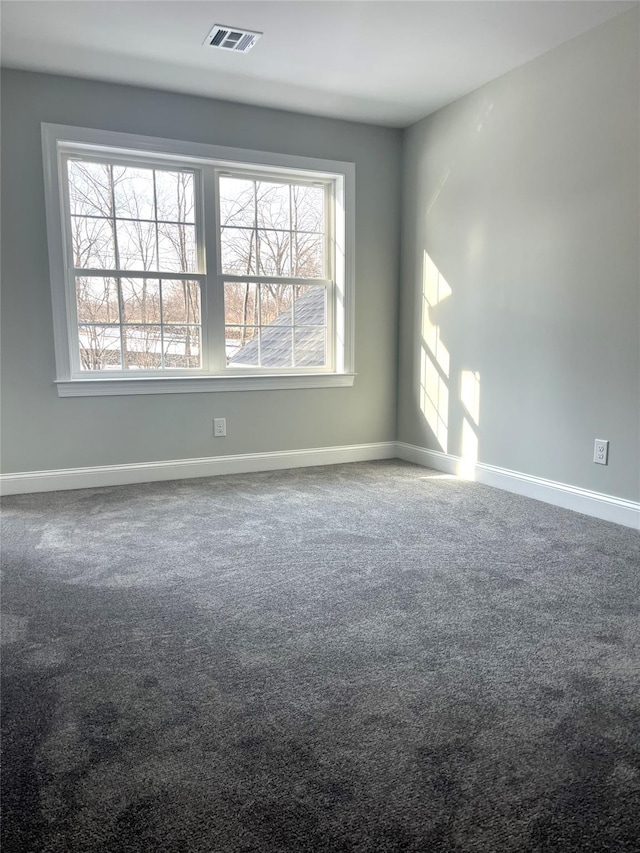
(199, 384)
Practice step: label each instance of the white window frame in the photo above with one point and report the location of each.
(58, 141)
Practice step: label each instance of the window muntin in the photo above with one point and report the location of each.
(136, 354)
(274, 237)
(138, 323)
(271, 228)
(131, 218)
(275, 325)
(131, 229)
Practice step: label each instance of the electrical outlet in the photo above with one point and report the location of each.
(219, 427)
(601, 451)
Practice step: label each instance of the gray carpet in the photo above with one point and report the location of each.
(370, 658)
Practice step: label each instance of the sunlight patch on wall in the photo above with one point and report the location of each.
(434, 356)
(467, 466)
(470, 398)
(434, 290)
(470, 393)
(434, 399)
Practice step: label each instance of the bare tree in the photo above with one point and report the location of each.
(268, 229)
(120, 217)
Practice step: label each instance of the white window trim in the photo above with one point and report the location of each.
(68, 385)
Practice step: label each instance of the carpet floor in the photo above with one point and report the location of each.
(366, 658)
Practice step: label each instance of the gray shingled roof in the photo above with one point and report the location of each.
(277, 337)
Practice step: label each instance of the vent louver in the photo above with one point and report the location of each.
(232, 38)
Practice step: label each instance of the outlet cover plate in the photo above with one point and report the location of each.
(601, 451)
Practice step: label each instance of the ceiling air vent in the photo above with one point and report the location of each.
(232, 38)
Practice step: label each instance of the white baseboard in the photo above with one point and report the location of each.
(178, 469)
(595, 504)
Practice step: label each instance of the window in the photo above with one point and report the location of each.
(182, 267)
(274, 241)
(136, 277)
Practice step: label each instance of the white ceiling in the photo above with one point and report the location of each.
(388, 62)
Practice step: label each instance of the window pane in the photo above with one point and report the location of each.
(274, 253)
(133, 192)
(238, 250)
(177, 247)
(92, 243)
(175, 196)
(240, 303)
(307, 208)
(89, 188)
(237, 202)
(309, 347)
(142, 347)
(311, 308)
(276, 345)
(180, 301)
(275, 301)
(182, 347)
(97, 300)
(242, 346)
(273, 205)
(140, 300)
(136, 245)
(232, 342)
(99, 347)
(307, 253)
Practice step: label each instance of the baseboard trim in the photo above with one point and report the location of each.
(598, 505)
(178, 469)
(606, 507)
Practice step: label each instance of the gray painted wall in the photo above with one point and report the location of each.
(524, 195)
(41, 431)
